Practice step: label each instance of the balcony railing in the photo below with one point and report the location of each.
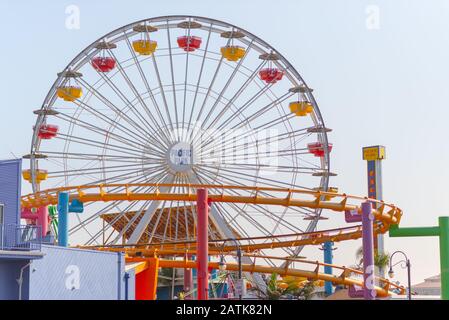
(20, 237)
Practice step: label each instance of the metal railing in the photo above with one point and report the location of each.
(20, 237)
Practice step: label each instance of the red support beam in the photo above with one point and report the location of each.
(202, 243)
(146, 281)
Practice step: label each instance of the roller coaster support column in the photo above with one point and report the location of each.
(442, 231)
(327, 250)
(374, 156)
(202, 244)
(63, 211)
(146, 281)
(368, 251)
(188, 279)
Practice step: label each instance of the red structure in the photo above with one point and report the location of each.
(146, 281)
(202, 244)
(317, 148)
(40, 218)
(189, 43)
(47, 131)
(103, 64)
(271, 75)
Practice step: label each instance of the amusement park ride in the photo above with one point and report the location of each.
(152, 141)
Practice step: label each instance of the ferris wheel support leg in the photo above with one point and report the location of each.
(63, 211)
(202, 244)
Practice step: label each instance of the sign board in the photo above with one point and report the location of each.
(374, 153)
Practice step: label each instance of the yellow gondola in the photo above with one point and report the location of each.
(301, 108)
(144, 47)
(69, 93)
(232, 53)
(41, 175)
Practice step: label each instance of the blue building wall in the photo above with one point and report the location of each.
(74, 274)
(9, 273)
(10, 188)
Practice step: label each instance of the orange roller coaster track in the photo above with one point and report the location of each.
(383, 289)
(385, 214)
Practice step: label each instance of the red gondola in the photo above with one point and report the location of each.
(103, 64)
(271, 75)
(189, 43)
(317, 149)
(47, 131)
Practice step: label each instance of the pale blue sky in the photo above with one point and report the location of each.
(385, 86)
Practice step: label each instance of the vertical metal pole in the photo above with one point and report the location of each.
(202, 244)
(327, 250)
(374, 156)
(409, 280)
(239, 257)
(443, 223)
(188, 278)
(42, 220)
(63, 210)
(368, 251)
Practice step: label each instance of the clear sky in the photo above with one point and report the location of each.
(380, 81)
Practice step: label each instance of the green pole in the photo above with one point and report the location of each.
(443, 223)
(442, 231)
(395, 231)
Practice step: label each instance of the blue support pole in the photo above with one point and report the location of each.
(63, 211)
(327, 250)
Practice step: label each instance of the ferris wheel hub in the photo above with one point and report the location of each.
(181, 157)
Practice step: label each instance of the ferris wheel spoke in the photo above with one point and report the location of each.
(225, 87)
(116, 110)
(91, 156)
(149, 173)
(137, 95)
(175, 103)
(149, 213)
(246, 177)
(134, 218)
(150, 92)
(263, 111)
(185, 86)
(233, 140)
(261, 167)
(164, 98)
(200, 76)
(109, 121)
(123, 212)
(247, 120)
(267, 213)
(109, 134)
(257, 114)
(236, 95)
(99, 145)
(209, 89)
(97, 170)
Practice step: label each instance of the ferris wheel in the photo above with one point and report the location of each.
(180, 100)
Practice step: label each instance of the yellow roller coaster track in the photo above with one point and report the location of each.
(383, 288)
(385, 214)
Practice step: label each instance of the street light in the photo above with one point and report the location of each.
(407, 265)
(222, 264)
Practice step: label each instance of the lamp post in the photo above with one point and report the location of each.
(407, 265)
(222, 264)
